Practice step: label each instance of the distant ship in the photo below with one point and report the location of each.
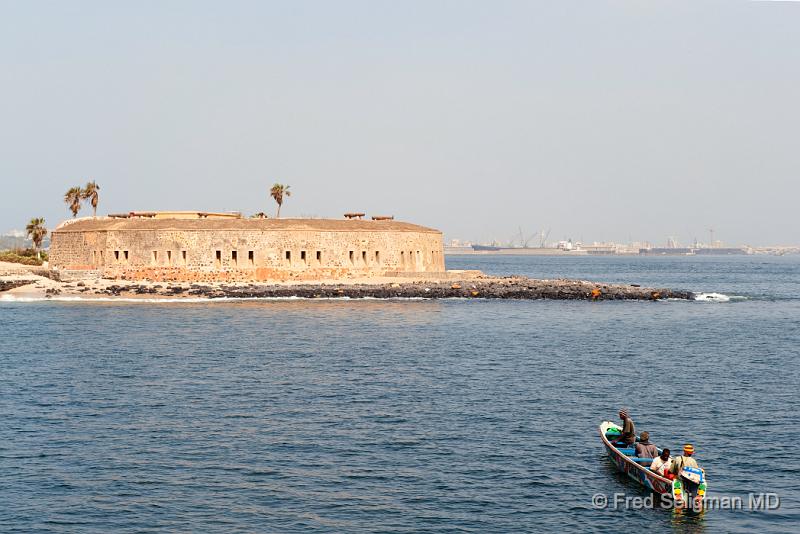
(484, 248)
(721, 251)
(539, 251)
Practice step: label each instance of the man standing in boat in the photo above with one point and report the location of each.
(628, 436)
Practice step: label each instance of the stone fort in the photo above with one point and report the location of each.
(198, 246)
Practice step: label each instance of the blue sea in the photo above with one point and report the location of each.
(402, 415)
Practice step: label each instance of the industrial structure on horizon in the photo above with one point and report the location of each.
(569, 247)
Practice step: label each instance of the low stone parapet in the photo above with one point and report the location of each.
(68, 275)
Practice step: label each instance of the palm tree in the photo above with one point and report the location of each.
(37, 232)
(73, 200)
(277, 192)
(90, 193)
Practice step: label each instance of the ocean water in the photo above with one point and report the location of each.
(401, 416)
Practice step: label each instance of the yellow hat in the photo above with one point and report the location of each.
(688, 448)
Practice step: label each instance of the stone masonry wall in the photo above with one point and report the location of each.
(246, 255)
(79, 250)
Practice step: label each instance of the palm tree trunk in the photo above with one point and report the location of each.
(278, 215)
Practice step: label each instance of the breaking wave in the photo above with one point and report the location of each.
(717, 297)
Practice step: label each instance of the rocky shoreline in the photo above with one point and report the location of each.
(519, 288)
(8, 285)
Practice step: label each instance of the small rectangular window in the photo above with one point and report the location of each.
(234, 257)
(94, 257)
(303, 257)
(183, 257)
(289, 257)
(352, 257)
(377, 257)
(169, 257)
(116, 255)
(154, 257)
(319, 257)
(218, 260)
(125, 255)
(364, 257)
(251, 260)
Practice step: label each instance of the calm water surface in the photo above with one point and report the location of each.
(347, 416)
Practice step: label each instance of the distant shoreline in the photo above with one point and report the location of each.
(580, 253)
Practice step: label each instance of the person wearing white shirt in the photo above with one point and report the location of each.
(662, 463)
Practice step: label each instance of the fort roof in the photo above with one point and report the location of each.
(100, 224)
(177, 215)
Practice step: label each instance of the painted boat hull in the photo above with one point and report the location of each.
(634, 471)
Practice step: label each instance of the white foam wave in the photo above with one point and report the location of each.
(717, 297)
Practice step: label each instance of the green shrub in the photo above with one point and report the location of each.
(16, 257)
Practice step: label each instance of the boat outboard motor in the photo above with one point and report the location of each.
(691, 480)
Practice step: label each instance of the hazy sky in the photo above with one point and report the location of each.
(599, 120)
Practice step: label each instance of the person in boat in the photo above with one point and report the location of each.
(661, 463)
(628, 436)
(684, 460)
(645, 449)
(689, 477)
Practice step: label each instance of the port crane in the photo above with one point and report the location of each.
(543, 240)
(525, 242)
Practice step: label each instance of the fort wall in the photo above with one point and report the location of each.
(244, 249)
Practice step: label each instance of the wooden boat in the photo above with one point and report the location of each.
(638, 468)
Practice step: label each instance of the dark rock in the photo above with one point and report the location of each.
(6, 285)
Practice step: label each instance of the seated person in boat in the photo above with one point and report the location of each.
(661, 464)
(628, 436)
(645, 449)
(684, 460)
